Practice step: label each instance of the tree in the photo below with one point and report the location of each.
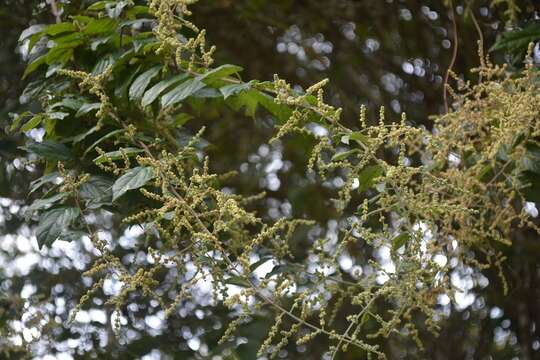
(362, 239)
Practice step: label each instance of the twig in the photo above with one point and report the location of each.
(453, 59)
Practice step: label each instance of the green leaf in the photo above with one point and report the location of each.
(32, 123)
(101, 139)
(248, 99)
(133, 179)
(234, 89)
(86, 108)
(136, 90)
(45, 179)
(50, 150)
(41, 204)
(531, 190)
(102, 65)
(100, 5)
(100, 26)
(54, 223)
(151, 94)
(280, 111)
(96, 191)
(59, 28)
(17, 119)
(34, 65)
(219, 73)
(399, 241)
(57, 115)
(518, 40)
(531, 160)
(368, 176)
(181, 92)
(68, 103)
(359, 137)
(238, 281)
(116, 155)
(343, 155)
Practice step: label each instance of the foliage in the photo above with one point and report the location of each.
(120, 136)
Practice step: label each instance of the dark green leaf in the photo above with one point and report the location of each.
(181, 92)
(96, 191)
(86, 108)
(53, 223)
(368, 176)
(151, 94)
(136, 90)
(59, 28)
(41, 204)
(50, 150)
(238, 281)
(234, 89)
(518, 40)
(399, 241)
(45, 179)
(116, 155)
(343, 155)
(219, 73)
(100, 26)
(133, 179)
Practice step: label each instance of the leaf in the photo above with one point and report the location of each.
(41, 204)
(280, 111)
(248, 99)
(100, 26)
(219, 73)
(234, 89)
(97, 191)
(368, 175)
(181, 92)
(101, 139)
(207, 93)
(59, 28)
(102, 65)
(258, 263)
(32, 91)
(50, 150)
(182, 118)
(17, 119)
(399, 241)
(31, 30)
(152, 94)
(69, 103)
(32, 123)
(238, 281)
(116, 155)
(359, 137)
(34, 65)
(531, 190)
(57, 115)
(531, 160)
(133, 179)
(343, 155)
(72, 235)
(45, 179)
(518, 40)
(86, 108)
(136, 90)
(54, 223)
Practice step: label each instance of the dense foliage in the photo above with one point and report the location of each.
(169, 228)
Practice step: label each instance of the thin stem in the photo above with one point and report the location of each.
(453, 58)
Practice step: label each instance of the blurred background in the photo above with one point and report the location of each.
(387, 53)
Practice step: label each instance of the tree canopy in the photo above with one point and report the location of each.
(339, 180)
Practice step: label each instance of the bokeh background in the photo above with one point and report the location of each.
(387, 53)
